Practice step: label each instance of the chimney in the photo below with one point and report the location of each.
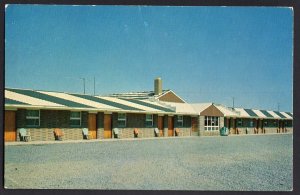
(158, 86)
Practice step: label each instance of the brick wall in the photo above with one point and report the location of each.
(46, 134)
(201, 125)
(210, 133)
(50, 119)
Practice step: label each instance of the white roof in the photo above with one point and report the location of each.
(138, 106)
(274, 115)
(80, 100)
(199, 107)
(226, 111)
(259, 113)
(30, 100)
(286, 115)
(183, 108)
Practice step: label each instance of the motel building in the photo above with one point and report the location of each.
(158, 113)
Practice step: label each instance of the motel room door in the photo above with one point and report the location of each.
(10, 131)
(160, 125)
(194, 125)
(92, 125)
(107, 126)
(170, 126)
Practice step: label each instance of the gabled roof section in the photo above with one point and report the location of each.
(170, 96)
(212, 110)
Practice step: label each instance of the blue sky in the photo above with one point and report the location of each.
(204, 54)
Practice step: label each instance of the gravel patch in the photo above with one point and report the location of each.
(246, 163)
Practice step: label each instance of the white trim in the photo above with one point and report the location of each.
(209, 127)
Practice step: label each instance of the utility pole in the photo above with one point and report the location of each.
(83, 79)
(278, 106)
(94, 85)
(232, 102)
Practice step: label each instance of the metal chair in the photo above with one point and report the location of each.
(86, 133)
(117, 133)
(24, 135)
(156, 131)
(58, 134)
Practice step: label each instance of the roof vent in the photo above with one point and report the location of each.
(158, 86)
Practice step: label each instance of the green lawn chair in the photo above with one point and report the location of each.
(24, 135)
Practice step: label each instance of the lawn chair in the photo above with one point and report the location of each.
(137, 133)
(117, 133)
(24, 135)
(58, 134)
(177, 132)
(87, 134)
(156, 131)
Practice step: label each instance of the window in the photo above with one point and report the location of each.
(275, 123)
(121, 120)
(251, 123)
(32, 118)
(149, 120)
(239, 122)
(211, 123)
(180, 121)
(75, 119)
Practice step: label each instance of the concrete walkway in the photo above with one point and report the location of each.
(89, 141)
(122, 139)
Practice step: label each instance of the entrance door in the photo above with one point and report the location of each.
(194, 124)
(10, 126)
(160, 125)
(170, 126)
(257, 126)
(92, 124)
(107, 126)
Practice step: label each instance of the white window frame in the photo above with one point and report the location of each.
(211, 127)
(76, 118)
(149, 120)
(180, 120)
(122, 119)
(34, 117)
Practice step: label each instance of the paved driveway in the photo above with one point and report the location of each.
(254, 162)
